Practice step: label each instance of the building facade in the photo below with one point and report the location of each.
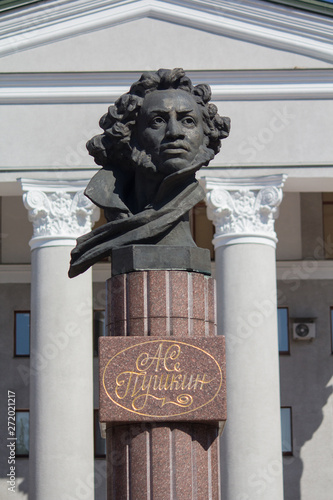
(270, 67)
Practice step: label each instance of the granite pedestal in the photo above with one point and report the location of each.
(162, 385)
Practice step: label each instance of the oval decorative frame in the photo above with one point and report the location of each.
(164, 341)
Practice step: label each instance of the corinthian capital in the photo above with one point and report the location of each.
(58, 210)
(243, 210)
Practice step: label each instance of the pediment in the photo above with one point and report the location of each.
(120, 36)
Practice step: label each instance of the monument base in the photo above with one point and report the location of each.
(160, 459)
(163, 461)
(160, 257)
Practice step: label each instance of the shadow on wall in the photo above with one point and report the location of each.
(23, 487)
(293, 465)
(309, 367)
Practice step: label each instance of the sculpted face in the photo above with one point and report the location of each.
(170, 129)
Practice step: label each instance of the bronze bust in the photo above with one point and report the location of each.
(155, 138)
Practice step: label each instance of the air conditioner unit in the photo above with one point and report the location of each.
(304, 329)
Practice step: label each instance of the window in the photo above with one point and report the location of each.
(22, 333)
(99, 442)
(98, 328)
(22, 433)
(283, 330)
(286, 430)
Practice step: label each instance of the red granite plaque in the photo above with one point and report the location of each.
(148, 379)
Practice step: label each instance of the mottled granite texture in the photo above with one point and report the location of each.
(161, 303)
(149, 379)
(159, 462)
(175, 456)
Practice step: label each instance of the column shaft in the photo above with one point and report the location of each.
(251, 443)
(61, 405)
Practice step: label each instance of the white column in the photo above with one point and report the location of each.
(61, 380)
(243, 211)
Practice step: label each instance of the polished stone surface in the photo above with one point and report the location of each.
(160, 257)
(158, 379)
(161, 303)
(161, 461)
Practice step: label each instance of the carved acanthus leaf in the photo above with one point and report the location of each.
(244, 210)
(60, 213)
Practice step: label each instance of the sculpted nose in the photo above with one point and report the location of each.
(174, 128)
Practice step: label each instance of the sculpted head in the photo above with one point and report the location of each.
(162, 123)
(170, 129)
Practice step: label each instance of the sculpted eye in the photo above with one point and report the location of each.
(188, 121)
(157, 122)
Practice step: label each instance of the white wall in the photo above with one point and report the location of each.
(263, 133)
(278, 133)
(48, 136)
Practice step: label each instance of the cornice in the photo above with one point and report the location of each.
(48, 88)
(296, 270)
(251, 20)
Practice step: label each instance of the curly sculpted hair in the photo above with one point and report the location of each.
(117, 142)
